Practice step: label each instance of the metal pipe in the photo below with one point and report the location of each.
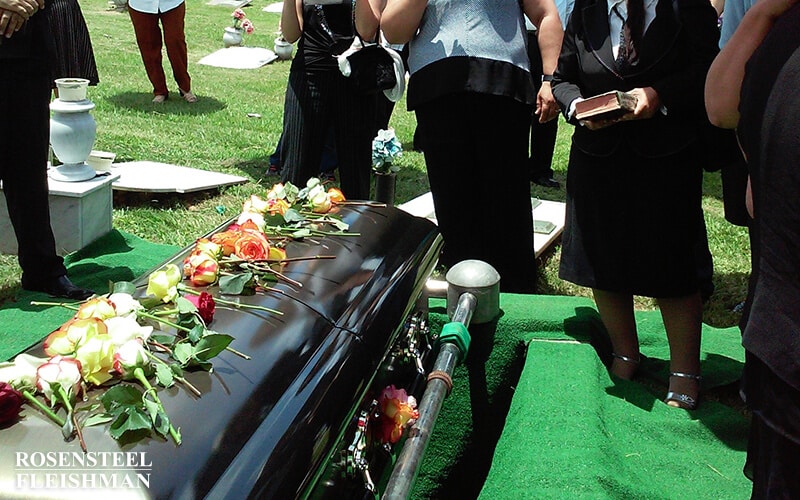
(464, 309)
(405, 471)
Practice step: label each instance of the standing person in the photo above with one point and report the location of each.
(543, 134)
(319, 97)
(758, 94)
(145, 16)
(634, 179)
(74, 53)
(472, 92)
(26, 55)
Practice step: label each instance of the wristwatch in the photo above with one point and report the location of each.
(547, 78)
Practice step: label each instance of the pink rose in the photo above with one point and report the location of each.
(238, 14)
(65, 372)
(398, 410)
(205, 305)
(10, 404)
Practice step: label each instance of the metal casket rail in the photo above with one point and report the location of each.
(265, 427)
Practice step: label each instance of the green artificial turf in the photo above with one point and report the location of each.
(535, 387)
(117, 256)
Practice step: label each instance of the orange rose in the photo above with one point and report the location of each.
(226, 240)
(336, 195)
(277, 205)
(200, 268)
(252, 245)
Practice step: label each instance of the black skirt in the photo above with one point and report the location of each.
(633, 224)
(74, 54)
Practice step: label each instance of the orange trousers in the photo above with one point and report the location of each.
(148, 38)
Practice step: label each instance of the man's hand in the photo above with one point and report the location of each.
(10, 22)
(546, 106)
(24, 8)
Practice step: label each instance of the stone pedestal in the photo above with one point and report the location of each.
(80, 212)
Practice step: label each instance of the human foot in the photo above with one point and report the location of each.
(684, 390)
(625, 367)
(188, 96)
(159, 98)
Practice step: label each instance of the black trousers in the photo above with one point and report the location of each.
(475, 152)
(24, 139)
(315, 103)
(543, 135)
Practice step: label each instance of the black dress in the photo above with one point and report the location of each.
(634, 215)
(74, 54)
(769, 113)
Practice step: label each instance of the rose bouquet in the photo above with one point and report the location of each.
(385, 150)
(240, 22)
(250, 252)
(146, 342)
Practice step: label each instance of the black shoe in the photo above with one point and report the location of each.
(60, 286)
(547, 182)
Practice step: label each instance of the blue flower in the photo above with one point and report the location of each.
(385, 149)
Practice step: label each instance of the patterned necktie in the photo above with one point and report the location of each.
(628, 56)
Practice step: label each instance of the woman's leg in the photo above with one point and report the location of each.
(148, 38)
(682, 319)
(616, 312)
(175, 40)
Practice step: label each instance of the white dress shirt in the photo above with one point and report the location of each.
(615, 22)
(153, 6)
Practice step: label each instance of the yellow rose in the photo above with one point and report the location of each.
(72, 334)
(96, 355)
(99, 307)
(163, 284)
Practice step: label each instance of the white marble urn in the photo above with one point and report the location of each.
(72, 134)
(232, 37)
(283, 49)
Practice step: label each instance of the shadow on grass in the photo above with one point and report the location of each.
(174, 105)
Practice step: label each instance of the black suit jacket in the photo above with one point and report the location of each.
(674, 57)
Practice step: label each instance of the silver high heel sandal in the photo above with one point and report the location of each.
(687, 402)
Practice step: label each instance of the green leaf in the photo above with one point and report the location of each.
(196, 333)
(163, 339)
(98, 419)
(182, 353)
(121, 395)
(161, 423)
(184, 306)
(176, 369)
(131, 419)
(339, 224)
(124, 287)
(164, 375)
(235, 284)
(301, 233)
(211, 345)
(151, 406)
(292, 216)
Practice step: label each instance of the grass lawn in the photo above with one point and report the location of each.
(217, 134)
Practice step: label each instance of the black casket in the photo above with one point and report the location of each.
(285, 423)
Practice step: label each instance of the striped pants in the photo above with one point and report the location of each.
(314, 103)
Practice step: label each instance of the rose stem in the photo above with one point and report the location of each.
(138, 373)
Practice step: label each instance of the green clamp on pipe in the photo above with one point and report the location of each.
(456, 333)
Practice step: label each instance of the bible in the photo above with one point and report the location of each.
(605, 106)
